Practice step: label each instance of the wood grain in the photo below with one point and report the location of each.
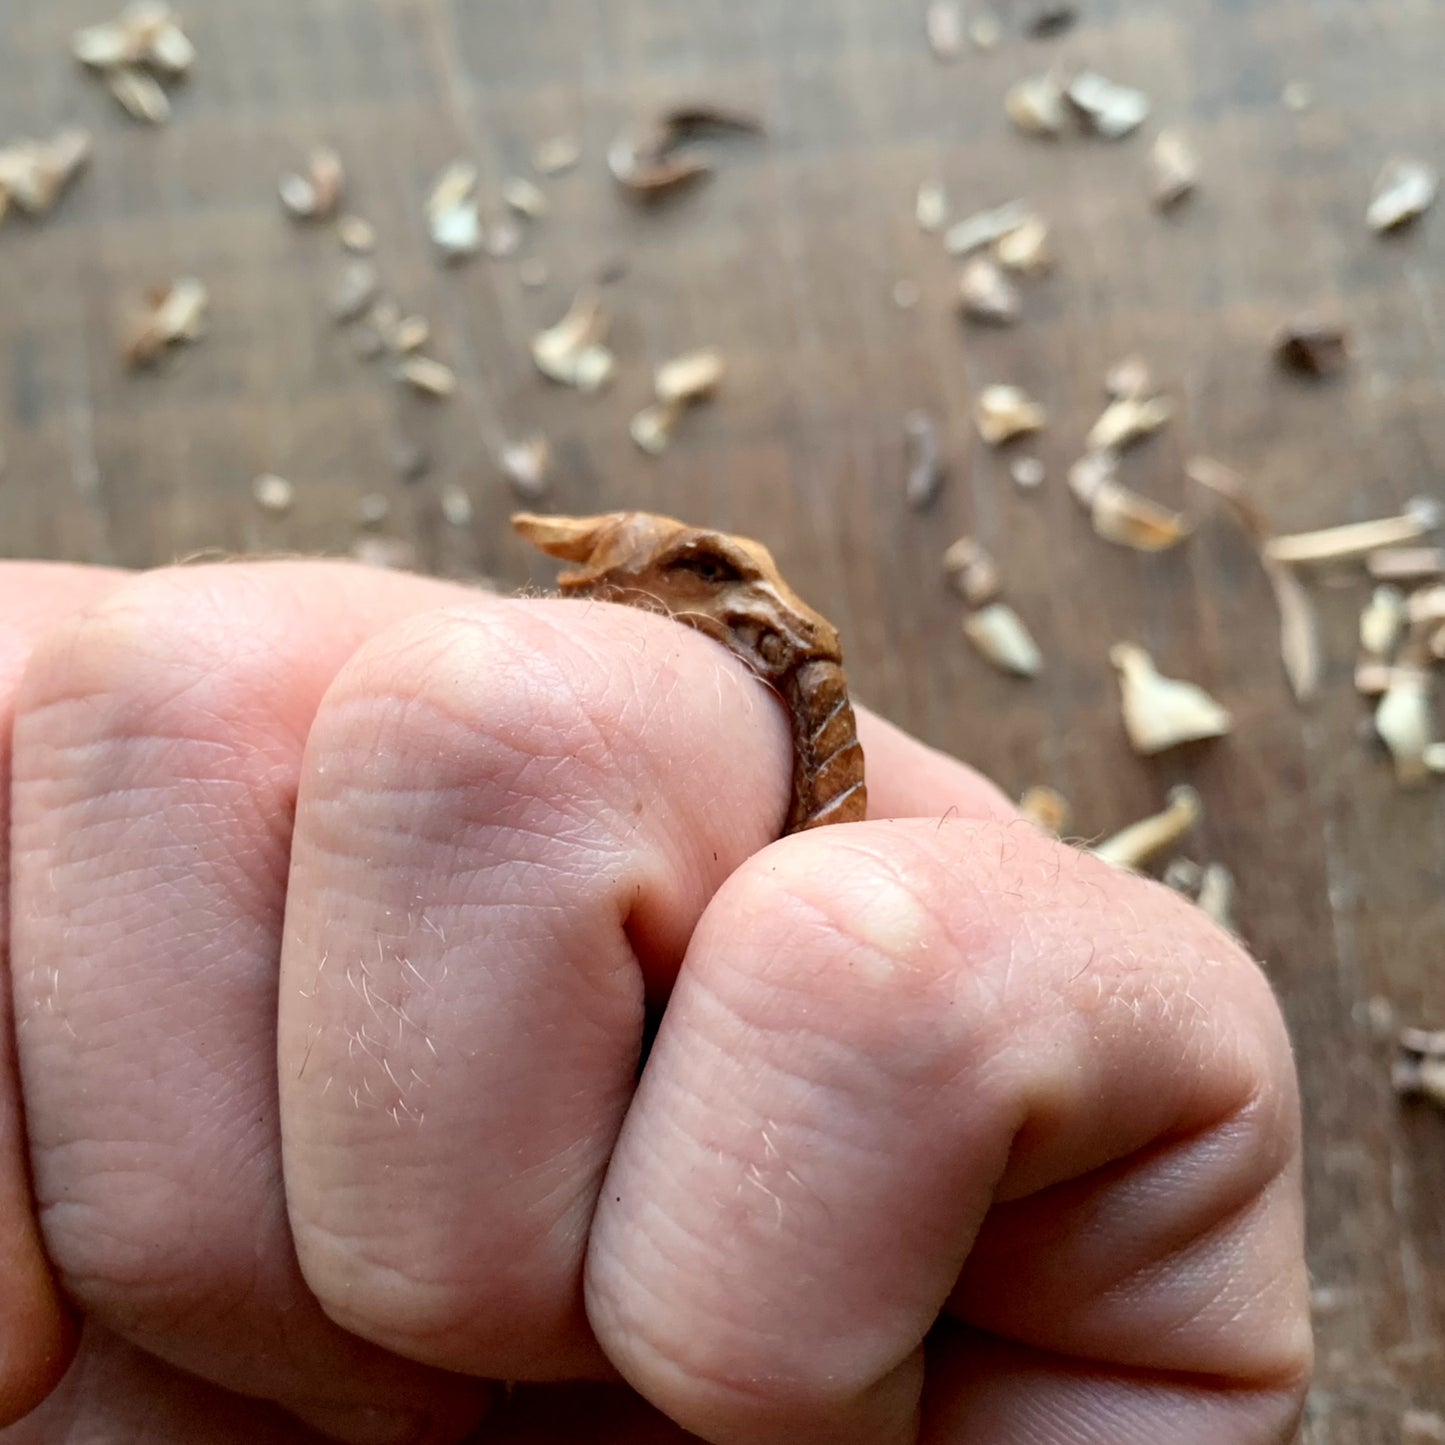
(787, 260)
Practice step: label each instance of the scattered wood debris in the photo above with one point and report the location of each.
(1004, 412)
(1163, 712)
(456, 506)
(527, 466)
(1382, 623)
(1405, 190)
(1144, 841)
(354, 292)
(1406, 564)
(1048, 18)
(985, 31)
(1109, 109)
(453, 217)
(1131, 379)
(1419, 1069)
(930, 208)
(1126, 420)
(1025, 248)
(1299, 631)
(1120, 514)
(690, 377)
(572, 352)
(1216, 894)
(1027, 472)
(647, 164)
(356, 235)
(35, 174)
(502, 239)
(273, 493)
(1048, 808)
(524, 197)
(677, 385)
(1036, 105)
(315, 194)
(972, 571)
(1357, 539)
(135, 53)
(176, 314)
(986, 294)
(1405, 722)
(945, 29)
(924, 470)
(984, 228)
(427, 375)
(557, 154)
(1435, 755)
(1312, 346)
(999, 633)
(1176, 168)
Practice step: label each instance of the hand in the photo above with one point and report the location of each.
(339, 900)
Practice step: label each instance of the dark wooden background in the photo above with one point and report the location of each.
(788, 260)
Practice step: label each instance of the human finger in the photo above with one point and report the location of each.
(912, 1067)
(158, 745)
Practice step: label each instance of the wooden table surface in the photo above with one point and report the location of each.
(788, 261)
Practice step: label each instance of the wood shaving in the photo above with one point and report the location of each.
(1049, 18)
(1111, 110)
(653, 426)
(1144, 841)
(1048, 808)
(357, 235)
(985, 31)
(1299, 631)
(1127, 420)
(1004, 412)
(177, 314)
(527, 466)
(1184, 875)
(557, 154)
(140, 94)
(1025, 248)
(945, 29)
(972, 571)
(983, 228)
(456, 506)
(1163, 712)
(273, 493)
(1426, 608)
(34, 175)
(647, 164)
(986, 294)
(1311, 346)
(1121, 515)
(1176, 168)
(524, 197)
(453, 220)
(1215, 898)
(428, 376)
(316, 194)
(690, 377)
(930, 208)
(1090, 474)
(1131, 379)
(1372, 677)
(1356, 539)
(411, 334)
(502, 239)
(572, 352)
(1382, 623)
(999, 633)
(354, 292)
(1406, 564)
(1405, 722)
(1405, 190)
(1036, 105)
(1435, 758)
(1027, 472)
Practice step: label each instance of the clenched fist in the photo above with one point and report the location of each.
(340, 906)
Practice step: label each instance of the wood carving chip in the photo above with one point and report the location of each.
(728, 588)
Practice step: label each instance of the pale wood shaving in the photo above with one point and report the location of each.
(653, 426)
(1163, 712)
(1111, 109)
(999, 633)
(1405, 190)
(1144, 841)
(1405, 722)
(1027, 472)
(1406, 564)
(35, 174)
(140, 94)
(930, 208)
(1176, 168)
(1131, 379)
(986, 294)
(527, 466)
(557, 154)
(1382, 623)
(1356, 539)
(983, 228)
(356, 234)
(1036, 105)
(1004, 412)
(971, 569)
(1121, 515)
(690, 377)
(428, 376)
(1127, 420)
(456, 505)
(273, 493)
(524, 197)
(1026, 248)
(944, 22)
(1048, 808)
(572, 352)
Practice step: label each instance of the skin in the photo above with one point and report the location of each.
(338, 905)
